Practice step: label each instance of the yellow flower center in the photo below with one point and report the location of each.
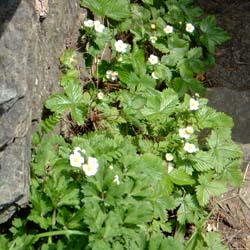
(76, 159)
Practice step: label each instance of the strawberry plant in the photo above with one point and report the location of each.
(142, 152)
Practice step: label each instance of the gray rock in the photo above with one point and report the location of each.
(236, 104)
(29, 52)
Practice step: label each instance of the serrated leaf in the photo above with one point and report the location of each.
(203, 161)
(207, 117)
(100, 245)
(68, 59)
(163, 72)
(72, 101)
(138, 61)
(178, 44)
(185, 70)
(179, 177)
(69, 197)
(222, 145)
(155, 242)
(188, 210)
(213, 35)
(208, 188)
(140, 213)
(112, 225)
(232, 172)
(213, 240)
(161, 103)
(113, 9)
(160, 44)
(194, 53)
(154, 166)
(180, 86)
(170, 243)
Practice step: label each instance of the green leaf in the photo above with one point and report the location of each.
(213, 240)
(213, 35)
(100, 245)
(72, 101)
(204, 161)
(155, 242)
(4, 243)
(196, 242)
(160, 44)
(169, 243)
(154, 166)
(140, 213)
(208, 118)
(112, 225)
(138, 61)
(69, 197)
(177, 44)
(223, 149)
(102, 39)
(208, 188)
(113, 9)
(188, 211)
(180, 86)
(173, 58)
(50, 123)
(68, 59)
(185, 70)
(179, 177)
(194, 53)
(151, 2)
(163, 72)
(162, 103)
(70, 75)
(232, 172)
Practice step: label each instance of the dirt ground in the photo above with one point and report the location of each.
(231, 216)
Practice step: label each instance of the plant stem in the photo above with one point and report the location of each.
(60, 232)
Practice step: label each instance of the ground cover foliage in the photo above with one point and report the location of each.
(142, 152)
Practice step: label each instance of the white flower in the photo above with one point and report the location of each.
(183, 133)
(89, 23)
(190, 129)
(170, 167)
(169, 157)
(108, 74)
(120, 46)
(91, 167)
(197, 95)
(153, 26)
(78, 149)
(193, 104)
(168, 29)
(189, 27)
(98, 26)
(111, 167)
(100, 95)
(112, 75)
(190, 148)
(116, 180)
(119, 59)
(153, 39)
(154, 76)
(153, 59)
(76, 160)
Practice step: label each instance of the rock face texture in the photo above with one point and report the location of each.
(33, 35)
